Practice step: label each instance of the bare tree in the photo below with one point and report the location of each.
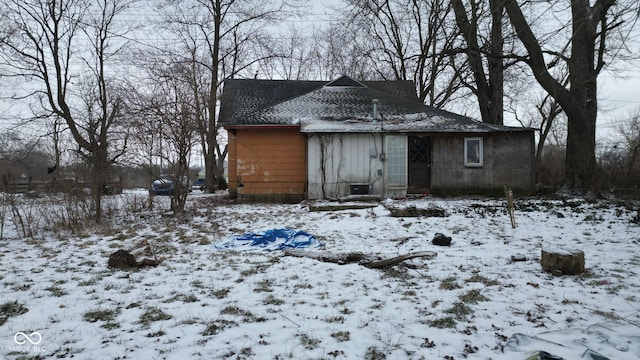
(629, 129)
(291, 57)
(404, 40)
(56, 43)
(168, 113)
(590, 36)
(339, 52)
(221, 39)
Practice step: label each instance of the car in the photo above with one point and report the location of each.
(165, 185)
(199, 184)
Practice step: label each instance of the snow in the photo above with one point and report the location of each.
(470, 301)
(412, 122)
(398, 123)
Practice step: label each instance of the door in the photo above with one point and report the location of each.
(419, 164)
(396, 166)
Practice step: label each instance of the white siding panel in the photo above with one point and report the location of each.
(346, 159)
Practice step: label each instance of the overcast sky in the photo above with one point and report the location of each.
(619, 92)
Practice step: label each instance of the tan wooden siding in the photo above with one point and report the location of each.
(267, 162)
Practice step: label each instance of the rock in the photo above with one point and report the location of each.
(441, 240)
(562, 261)
(122, 259)
(140, 255)
(518, 257)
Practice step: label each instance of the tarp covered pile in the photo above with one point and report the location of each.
(274, 239)
(614, 340)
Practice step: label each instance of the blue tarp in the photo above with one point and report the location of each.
(274, 239)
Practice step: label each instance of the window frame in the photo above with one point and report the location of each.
(396, 160)
(468, 161)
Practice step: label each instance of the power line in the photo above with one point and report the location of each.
(621, 101)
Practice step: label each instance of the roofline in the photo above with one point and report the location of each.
(269, 126)
(414, 131)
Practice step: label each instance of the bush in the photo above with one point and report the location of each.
(222, 183)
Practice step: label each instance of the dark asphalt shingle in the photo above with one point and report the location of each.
(338, 104)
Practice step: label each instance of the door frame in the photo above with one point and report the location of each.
(419, 168)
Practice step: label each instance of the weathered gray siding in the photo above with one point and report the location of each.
(336, 161)
(508, 159)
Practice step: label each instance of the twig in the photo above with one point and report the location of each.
(286, 318)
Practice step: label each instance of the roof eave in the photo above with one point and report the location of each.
(413, 130)
(261, 126)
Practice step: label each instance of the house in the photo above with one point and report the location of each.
(290, 140)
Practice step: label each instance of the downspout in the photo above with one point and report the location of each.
(382, 161)
(323, 170)
(382, 156)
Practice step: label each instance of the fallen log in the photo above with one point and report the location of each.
(385, 263)
(359, 258)
(340, 207)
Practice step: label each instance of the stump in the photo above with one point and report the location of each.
(562, 261)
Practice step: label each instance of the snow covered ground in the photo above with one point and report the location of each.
(59, 299)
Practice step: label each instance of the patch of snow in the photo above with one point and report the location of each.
(468, 302)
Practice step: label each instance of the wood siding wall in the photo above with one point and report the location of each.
(508, 160)
(282, 164)
(269, 163)
(335, 161)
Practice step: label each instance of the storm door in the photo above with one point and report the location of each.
(419, 164)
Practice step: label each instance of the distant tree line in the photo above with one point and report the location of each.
(137, 82)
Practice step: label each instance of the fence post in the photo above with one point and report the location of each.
(510, 207)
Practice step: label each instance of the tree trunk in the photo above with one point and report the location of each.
(580, 163)
(210, 169)
(99, 165)
(496, 65)
(489, 91)
(579, 101)
(220, 165)
(211, 182)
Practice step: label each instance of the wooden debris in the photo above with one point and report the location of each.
(385, 263)
(340, 207)
(360, 258)
(413, 211)
(508, 192)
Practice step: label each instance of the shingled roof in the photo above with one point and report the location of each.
(342, 105)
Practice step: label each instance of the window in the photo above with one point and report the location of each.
(396, 160)
(473, 151)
